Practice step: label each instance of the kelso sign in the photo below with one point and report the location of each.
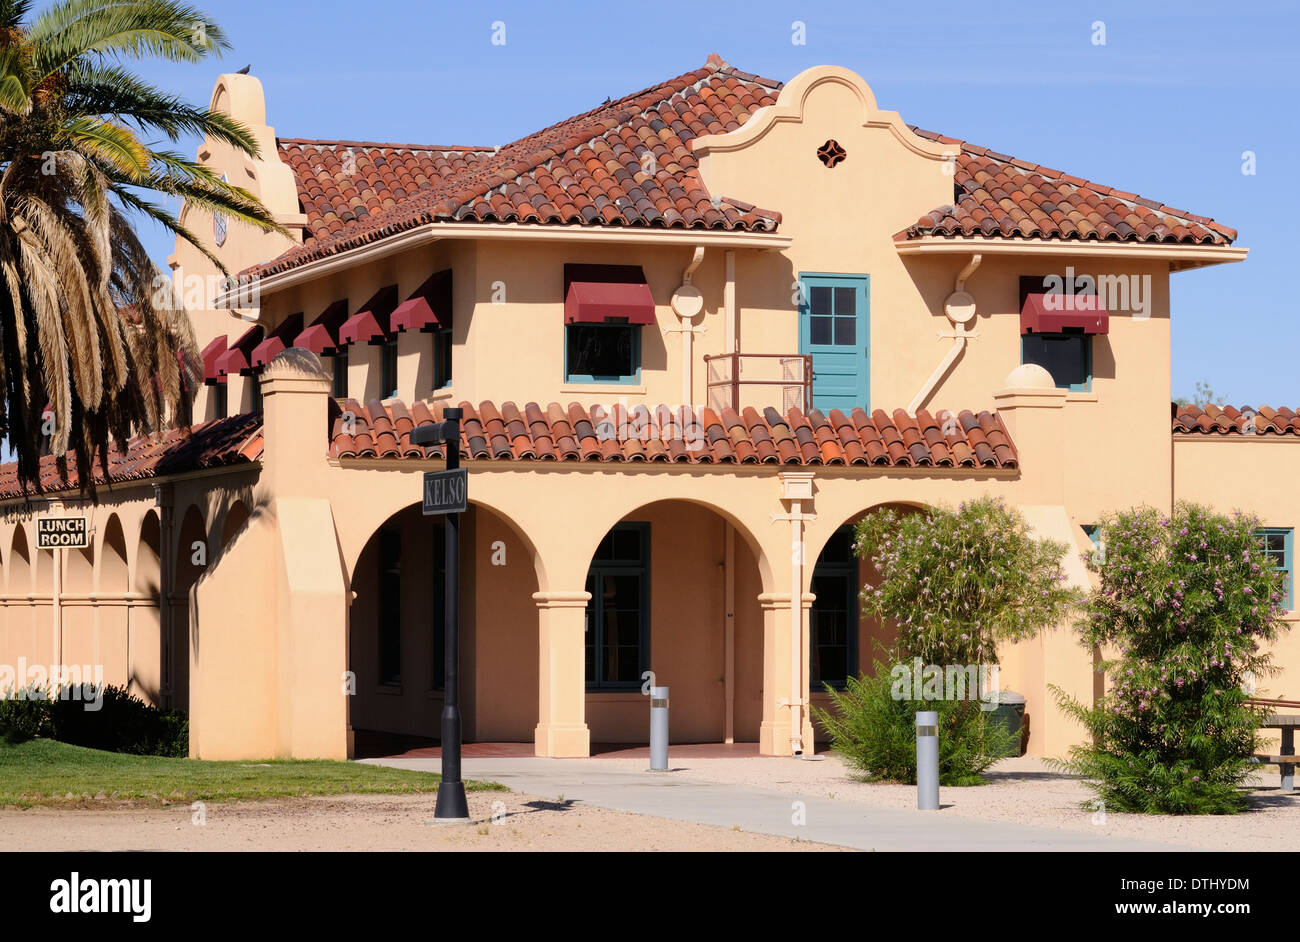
(56, 532)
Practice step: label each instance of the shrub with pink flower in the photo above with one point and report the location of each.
(1189, 602)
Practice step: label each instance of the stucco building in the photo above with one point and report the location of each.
(696, 332)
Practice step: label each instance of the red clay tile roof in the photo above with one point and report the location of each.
(222, 442)
(595, 169)
(1228, 420)
(1000, 196)
(664, 434)
(625, 163)
(343, 184)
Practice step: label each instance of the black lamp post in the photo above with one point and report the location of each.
(442, 495)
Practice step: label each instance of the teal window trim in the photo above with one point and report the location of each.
(1085, 386)
(633, 379)
(595, 610)
(388, 369)
(339, 371)
(442, 358)
(1288, 559)
(221, 406)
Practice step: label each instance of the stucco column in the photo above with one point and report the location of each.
(1033, 410)
(774, 731)
(562, 679)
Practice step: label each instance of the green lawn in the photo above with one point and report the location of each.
(44, 772)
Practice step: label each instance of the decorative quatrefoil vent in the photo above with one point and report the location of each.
(831, 153)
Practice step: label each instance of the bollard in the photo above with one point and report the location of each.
(658, 729)
(927, 761)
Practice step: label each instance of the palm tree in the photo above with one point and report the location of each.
(94, 344)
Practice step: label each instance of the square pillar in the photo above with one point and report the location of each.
(774, 731)
(562, 676)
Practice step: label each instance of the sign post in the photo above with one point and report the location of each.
(446, 493)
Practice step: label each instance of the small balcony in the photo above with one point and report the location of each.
(738, 380)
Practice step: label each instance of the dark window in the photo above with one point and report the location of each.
(833, 315)
(1068, 357)
(441, 359)
(618, 615)
(341, 374)
(602, 352)
(390, 606)
(833, 620)
(388, 369)
(220, 402)
(255, 392)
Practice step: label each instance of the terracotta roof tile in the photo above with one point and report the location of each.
(223, 442)
(1231, 421)
(664, 434)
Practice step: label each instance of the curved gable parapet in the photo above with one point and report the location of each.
(793, 104)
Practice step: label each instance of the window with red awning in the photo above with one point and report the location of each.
(322, 337)
(235, 359)
(1044, 313)
(281, 337)
(211, 353)
(428, 309)
(365, 326)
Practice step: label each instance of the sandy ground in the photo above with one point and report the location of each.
(368, 822)
(1023, 791)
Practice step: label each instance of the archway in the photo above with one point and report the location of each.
(192, 556)
(112, 631)
(146, 640)
(395, 641)
(843, 641)
(664, 586)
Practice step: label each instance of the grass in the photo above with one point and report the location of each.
(45, 772)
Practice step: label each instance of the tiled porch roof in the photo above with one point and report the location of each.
(589, 170)
(1229, 420)
(554, 433)
(230, 441)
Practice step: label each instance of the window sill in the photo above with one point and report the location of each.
(615, 696)
(633, 389)
(1081, 397)
(439, 395)
(390, 690)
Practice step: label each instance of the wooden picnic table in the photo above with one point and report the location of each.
(1286, 760)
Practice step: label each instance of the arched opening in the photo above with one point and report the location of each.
(843, 641)
(145, 635)
(192, 557)
(236, 517)
(111, 611)
(660, 587)
(20, 618)
(396, 640)
(80, 636)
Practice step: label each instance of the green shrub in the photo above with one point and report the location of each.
(123, 723)
(1189, 601)
(875, 732)
(24, 714)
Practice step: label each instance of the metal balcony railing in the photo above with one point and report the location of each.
(726, 373)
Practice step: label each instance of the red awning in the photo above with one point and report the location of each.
(364, 326)
(1054, 313)
(598, 302)
(322, 336)
(428, 308)
(235, 360)
(282, 336)
(211, 353)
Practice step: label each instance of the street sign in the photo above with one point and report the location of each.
(445, 492)
(57, 532)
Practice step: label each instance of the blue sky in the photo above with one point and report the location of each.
(1165, 108)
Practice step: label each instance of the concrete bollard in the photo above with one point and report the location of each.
(658, 729)
(927, 761)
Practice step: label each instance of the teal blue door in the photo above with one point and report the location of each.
(834, 325)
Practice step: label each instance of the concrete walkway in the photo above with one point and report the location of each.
(766, 811)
